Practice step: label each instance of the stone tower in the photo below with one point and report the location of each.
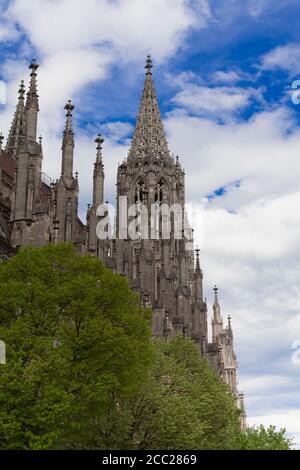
(66, 189)
(29, 217)
(161, 268)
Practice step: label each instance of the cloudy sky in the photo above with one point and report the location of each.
(224, 72)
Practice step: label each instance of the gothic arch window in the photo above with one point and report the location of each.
(140, 191)
(160, 190)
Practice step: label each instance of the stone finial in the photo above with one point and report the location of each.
(229, 321)
(21, 90)
(148, 65)
(99, 141)
(69, 108)
(216, 290)
(34, 65)
(1, 140)
(32, 96)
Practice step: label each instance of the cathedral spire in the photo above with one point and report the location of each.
(32, 104)
(17, 129)
(98, 186)
(229, 327)
(197, 260)
(198, 277)
(149, 138)
(217, 321)
(68, 143)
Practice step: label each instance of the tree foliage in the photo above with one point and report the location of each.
(75, 336)
(184, 404)
(82, 371)
(261, 438)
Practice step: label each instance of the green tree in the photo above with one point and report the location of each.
(76, 340)
(184, 404)
(261, 438)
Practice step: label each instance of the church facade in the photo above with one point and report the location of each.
(165, 271)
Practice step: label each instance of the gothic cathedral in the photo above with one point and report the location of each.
(166, 272)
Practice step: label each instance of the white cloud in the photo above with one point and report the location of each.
(118, 131)
(256, 7)
(7, 32)
(219, 101)
(129, 26)
(283, 57)
(231, 76)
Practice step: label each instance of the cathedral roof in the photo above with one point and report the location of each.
(7, 164)
(149, 139)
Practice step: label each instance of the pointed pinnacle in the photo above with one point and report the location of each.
(216, 293)
(148, 65)
(34, 66)
(21, 90)
(99, 140)
(1, 140)
(69, 107)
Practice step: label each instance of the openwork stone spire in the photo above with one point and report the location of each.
(149, 138)
(32, 104)
(17, 129)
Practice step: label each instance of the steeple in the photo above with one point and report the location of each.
(149, 138)
(217, 321)
(229, 328)
(98, 185)
(17, 129)
(68, 143)
(32, 104)
(197, 260)
(198, 277)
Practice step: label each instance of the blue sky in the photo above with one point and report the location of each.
(223, 73)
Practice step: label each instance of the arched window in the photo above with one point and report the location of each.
(159, 191)
(140, 192)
